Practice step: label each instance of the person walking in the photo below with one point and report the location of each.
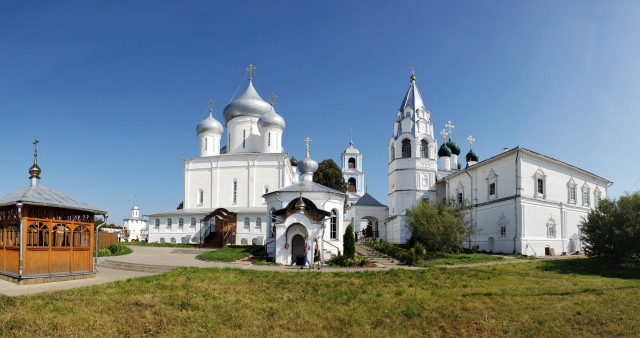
(316, 255)
(307, 248)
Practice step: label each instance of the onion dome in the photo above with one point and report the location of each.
(35, 171)
(248, 104)
(293, 161)
(271, 119)
(307, 165)
(300, 204)
(472, 156)
(444, 151)
(455, 149)
(209, 125)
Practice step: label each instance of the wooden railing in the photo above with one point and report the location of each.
(332, 246)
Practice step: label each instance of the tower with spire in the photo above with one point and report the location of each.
(352, 172)
(412, 161)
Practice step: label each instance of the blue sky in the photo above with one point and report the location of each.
(114, 90)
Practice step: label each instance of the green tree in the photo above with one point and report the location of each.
(180, 206)
(439, 227)
(330, 175)
(349, 242)
(612, 230)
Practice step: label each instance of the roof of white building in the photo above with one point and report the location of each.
(39, 195)
(368, 200)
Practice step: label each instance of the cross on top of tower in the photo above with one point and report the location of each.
(210, 104)
(450, 126)
(271, 98)
(251, 68)
(351, 138)
(413, 76)
(471, 140)
(308, 140)
(444, 135)
(35, 146)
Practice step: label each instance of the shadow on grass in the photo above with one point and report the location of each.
(592, 266)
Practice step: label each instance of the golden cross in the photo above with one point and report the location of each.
(211, 103)
(308, 140)
(35, 145)
(471, 140)
(450, 126)
(444, 135)
(271, 98)
(251, 68)
(413, 76)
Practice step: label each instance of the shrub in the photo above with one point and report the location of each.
(438, 226)
(344, 261)
(104, 252)
(113, 248)
(349, 245)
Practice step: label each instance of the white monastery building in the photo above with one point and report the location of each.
(136, 227)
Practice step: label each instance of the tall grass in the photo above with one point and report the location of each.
(537, 298)
(230, 253)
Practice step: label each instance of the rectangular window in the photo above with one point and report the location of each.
(503, 230)
(244, 138)
(459, 198)
(540, 186)
(551, 231)
(201, 197)
(269, 139)
(235, 191)
(492, 189)
(585, 197)
(572, 194)
(205, 144)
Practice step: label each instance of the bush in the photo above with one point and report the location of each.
(612, 230)
(439, 227)
(104, 252)
(349, 242)
(344, 261)
(113, 248)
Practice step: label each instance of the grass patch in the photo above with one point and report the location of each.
(439, 258)
(537, 298)
(229, 253)
(163, 245)
(114, 250)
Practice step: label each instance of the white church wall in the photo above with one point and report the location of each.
(243, 135)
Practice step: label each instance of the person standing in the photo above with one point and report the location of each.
(307, 248)
(316, 255)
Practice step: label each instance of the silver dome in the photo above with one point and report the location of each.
(209, 124)
(307, 165)
(248, 104)
(271, 119)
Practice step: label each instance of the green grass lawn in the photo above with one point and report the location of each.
(538, 298)
(163, 245)
(229, 253)
(439, 258)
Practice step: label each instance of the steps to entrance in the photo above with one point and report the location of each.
(378, 258)
(135, 266)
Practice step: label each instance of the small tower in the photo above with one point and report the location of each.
(35, 171)
(455, 148)
(472, 157)
(209, 132)
(352, 172)
(271, 125)
(307, 166)
(444, 153)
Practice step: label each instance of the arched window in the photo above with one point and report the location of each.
(60, 236)
(247, 222)
(193, 222)
(351, 183)
(81, 237)
(254, 241)
(161, 239)
(352, 163)
(173, 240)
(201, 197)
(13, 234)
(181, 223)
(258, 223)
(38, 235)
(424, 149)
(334, 225)
(157, 223)
(243, 241)
(406, 148)
(169, 222)
(392, 153)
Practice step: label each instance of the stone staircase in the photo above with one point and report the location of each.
(107, 263)
(378, 258)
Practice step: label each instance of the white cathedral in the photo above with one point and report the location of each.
(248, 191)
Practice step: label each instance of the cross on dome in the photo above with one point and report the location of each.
(308, 140)
(251, 68)
(444, 135)
(413, 76)
(450, 126)
(210, 104)
(271, 98)
(471, 140)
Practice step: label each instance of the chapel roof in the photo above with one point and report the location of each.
(39, 195)
(368, 200)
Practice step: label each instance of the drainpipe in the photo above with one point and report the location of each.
(19, 205)
(470, 204)
(95, 259)
(515, 202)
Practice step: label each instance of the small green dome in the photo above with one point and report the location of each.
(472, 156)
(444, 151)
(455, 149)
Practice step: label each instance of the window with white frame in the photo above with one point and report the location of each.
(235, 191)
(333, 234)
(597, 196)
(540, 184)
(551, 228)
(247, 222)
(502, 225)
(269, 139)
(492, 185)
(181, 223)
(244, 138)
(205, 144)
(406, 148)
(424, 149)
(200, 196)
(157, 223)
(586, 194)
(258, 223)
(460, 193)
(572, 192)
(169, 224)
(193, 222)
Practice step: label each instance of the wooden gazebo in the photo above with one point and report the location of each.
(45, 236)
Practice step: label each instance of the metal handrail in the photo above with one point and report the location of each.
(324, 240)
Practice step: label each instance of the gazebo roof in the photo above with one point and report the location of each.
(39, 195)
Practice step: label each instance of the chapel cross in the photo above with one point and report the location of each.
(413, 76)
(251, 68)
(272, 97)
(471, 140)
(450, 126)
(444, 135)
(211, 103)
(308, 140)
(35, 145)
